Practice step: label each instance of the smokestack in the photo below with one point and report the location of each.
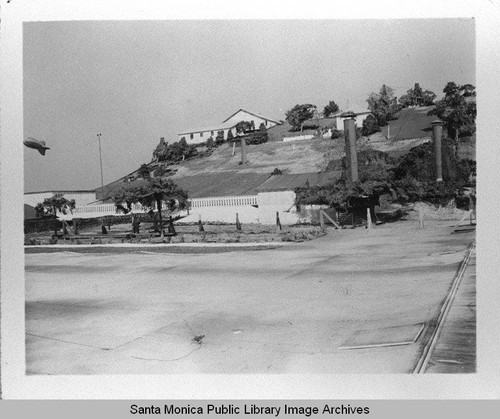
(350, 147)
(243, 150)
(437, 134)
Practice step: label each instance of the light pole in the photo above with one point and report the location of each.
(100, 159)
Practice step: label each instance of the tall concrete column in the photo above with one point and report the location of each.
(243, 150)
(437, 134)
(350, 147)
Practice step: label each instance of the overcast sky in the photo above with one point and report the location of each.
(137, 81)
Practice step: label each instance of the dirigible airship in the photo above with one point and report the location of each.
(36, 144)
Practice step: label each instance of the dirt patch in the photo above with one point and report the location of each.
(431, 212)
(189, 234)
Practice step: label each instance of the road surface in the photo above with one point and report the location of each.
(353, 301)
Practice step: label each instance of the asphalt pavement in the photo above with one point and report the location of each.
(353, 301)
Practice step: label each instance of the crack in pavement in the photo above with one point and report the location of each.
(67, 341)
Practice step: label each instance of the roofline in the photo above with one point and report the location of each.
(251, 113)
(340, 113)
(62, 191)
(206, 130)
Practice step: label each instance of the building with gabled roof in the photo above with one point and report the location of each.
(243, 115)
(202, 134)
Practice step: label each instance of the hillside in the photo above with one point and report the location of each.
(291, 157)
(412, 128)
(222, 173)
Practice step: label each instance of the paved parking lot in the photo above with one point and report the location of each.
(291, 309)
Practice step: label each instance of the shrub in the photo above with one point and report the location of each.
(337, 133)
(370, 126)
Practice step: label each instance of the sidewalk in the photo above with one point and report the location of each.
(455, 351)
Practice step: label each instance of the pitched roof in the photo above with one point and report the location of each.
(357, 111)
(214, 128)
(297, 180)
(54, 191)
(221, 184)
(254, 114)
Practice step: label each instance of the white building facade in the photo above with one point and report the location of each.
(201, 135)
(360, 117)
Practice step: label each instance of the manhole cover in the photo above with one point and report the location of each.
(388, 336)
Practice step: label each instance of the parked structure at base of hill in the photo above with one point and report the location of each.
(218, 197)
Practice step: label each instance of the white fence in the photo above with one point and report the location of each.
(94, 211)
(224, 201)
(103, 208)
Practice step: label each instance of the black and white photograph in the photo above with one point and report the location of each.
(260, 197)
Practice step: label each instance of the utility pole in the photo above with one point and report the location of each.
(100, 159)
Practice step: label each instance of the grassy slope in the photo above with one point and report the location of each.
(411, 129)
(292, 157)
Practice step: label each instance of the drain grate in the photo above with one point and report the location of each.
(388, 336)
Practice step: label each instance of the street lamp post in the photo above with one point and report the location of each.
(100, 159)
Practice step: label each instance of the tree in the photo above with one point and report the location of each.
(151, 191)
(370, 126)
(457, 110)
(374, 177)
(243, 126)
(219, 139)
(174, 152)
(414, 177)
(417, 97)
(337, 133)
(57, 203)
(299, 114)
(159, 152)
(330, 109)
(144, 172)
(383, 105)
(257, 137)
(39, 210)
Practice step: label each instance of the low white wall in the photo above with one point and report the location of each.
(246, 214)
(102, 210)
(298, 138)
(310, 213)
(96, 211)
(281, 202)
(223, 209)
